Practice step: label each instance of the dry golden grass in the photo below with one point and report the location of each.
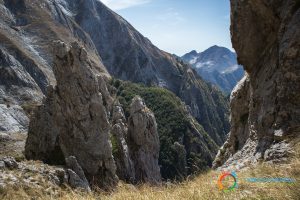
(203, 187)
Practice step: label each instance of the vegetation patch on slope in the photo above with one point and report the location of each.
(175, 127)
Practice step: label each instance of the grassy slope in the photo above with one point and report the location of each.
(202, 187)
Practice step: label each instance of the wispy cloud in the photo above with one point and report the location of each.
(171, 16)
(123, 4)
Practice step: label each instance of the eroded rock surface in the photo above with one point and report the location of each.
(34, 174)
(143, 142)
(75, 174)
(125, 168)
(265, 105)
(73, 120)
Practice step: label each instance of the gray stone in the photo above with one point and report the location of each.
(265, 113)
(76, 175)
(125, 168)
(12, 119)
(73, 120)
(2, 164)
(10, 162)
(62, 176)
(143, 142)
(76, 182)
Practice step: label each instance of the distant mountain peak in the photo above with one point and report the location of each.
(218, 48)
(217, 65)
(193, 52)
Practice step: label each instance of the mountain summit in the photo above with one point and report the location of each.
(217, 65)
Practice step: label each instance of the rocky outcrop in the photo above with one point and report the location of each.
(13, 118)
(125, 168)
(72, 127)
(75, 174)
(8, 162)
(143, 142)
(73, 120)
(25, 55)
(42, 176)
(265, 104)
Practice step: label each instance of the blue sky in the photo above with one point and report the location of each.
(178, 26)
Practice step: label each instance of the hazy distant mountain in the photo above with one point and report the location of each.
(217, 65)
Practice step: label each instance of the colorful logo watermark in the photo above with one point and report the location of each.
(228, 175)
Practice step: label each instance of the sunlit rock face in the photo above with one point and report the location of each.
(265, 114)
(119, 131)
(143, 142)
(72, 120)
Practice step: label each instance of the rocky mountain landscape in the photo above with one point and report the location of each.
(106, 114)
(61, 104)
(217, 65)
(63, 20)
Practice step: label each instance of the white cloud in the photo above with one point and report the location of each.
(122, 4)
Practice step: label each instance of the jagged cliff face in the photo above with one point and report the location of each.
(143, 142)
(29, 26)
(73, 120)
(265, 105)
(73, 127)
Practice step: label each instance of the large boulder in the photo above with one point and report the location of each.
(143, 142)
(73, 120)
(265, 113)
